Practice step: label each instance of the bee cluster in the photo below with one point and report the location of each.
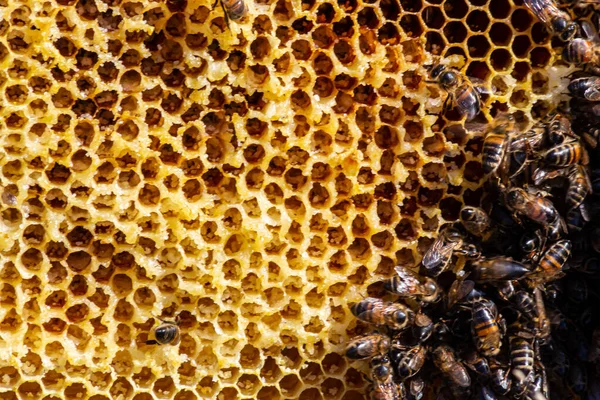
(502, 306)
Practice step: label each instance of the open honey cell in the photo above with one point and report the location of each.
(192, 195)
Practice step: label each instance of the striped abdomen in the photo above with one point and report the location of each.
(556, 256)
(564, 155)
(541, 210)
(235, 9)
(579, 188)
(525, 304)
(521, 355)
(494, 147)
(578, 51)
(485, 328)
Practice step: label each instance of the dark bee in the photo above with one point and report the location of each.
(234, 10)
(384, 387)
(551, 264)
(478, 364)
(367, 346)
(565, 154)
(497, 269)
(476, 221)
(533, 389)
(587, 88)
(559, 129)
(445, 359)
(379, 312)
(407, 360)
(438, 256)
(532, 245)
(536, 208)
(495, 143)
(461, 289)
(579, 187)
(558, 22)
(464, 96)
(422, 327)
(526, 304)
(542, 323)
(522, 358)
(166, 333)
(485, 327)
(409, 284)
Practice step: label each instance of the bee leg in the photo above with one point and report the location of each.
(225, 15)
(151, 342)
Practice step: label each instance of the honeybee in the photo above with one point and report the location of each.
(522, 358)
(534, 388)
(438, 256)
(367, 346)
(384, 387)
(376, 311)
(478, 364)
(557, 21)
(534, 207)
(461, 289)
(542, 323)
(497, 269)
(496, 142)
(565, 154)
(559, 129)
(587, 88)
(166, 333)
(445, 359)
(580, 186)
(407, 360)
(485, 327)
(532, 244)
(551, 264)
(422, 328)
(476, 221)
(460, 90)
(408, 284)
(234, 10)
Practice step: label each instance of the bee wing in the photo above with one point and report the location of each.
(438, 253)
(592, 93)
(408, 282)
(481, 86)
(459, 290)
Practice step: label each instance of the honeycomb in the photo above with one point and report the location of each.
(251, 181)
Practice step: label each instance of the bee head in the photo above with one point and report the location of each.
(380, 368)
(566, 29)
(529, 242)
(515, 197)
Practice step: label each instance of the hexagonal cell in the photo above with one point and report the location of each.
(478, 21)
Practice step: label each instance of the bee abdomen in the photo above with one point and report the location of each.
(556, 256)
(236, 9)
(493, 152)
(564, 155)
(578, 51)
